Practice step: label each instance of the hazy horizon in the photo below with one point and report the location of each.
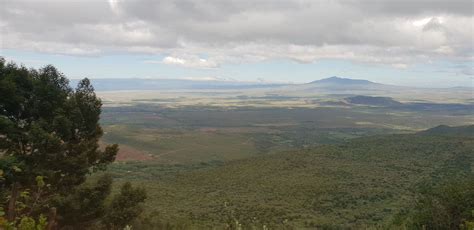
(417, 43)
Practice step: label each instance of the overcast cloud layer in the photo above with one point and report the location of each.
(206, 34)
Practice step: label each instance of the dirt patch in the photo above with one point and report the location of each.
(127, 153)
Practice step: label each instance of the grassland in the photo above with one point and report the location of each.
(196, 134)
(169, 147)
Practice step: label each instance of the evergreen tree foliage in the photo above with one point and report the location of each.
(49, 145)
(123, 208)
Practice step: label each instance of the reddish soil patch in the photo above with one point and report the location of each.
(127, 153)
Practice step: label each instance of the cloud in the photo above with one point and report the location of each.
(215, 78)
(190, 61)
(458, 69)
(400, 65)
(393, 33)
(468, 71)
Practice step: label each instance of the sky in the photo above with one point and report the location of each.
(428, 43)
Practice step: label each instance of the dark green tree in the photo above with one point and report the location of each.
(49, 144)
(448, 205)
(124, 206)
(86, 204)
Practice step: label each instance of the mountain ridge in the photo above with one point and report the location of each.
(343, 81)
(334, 82)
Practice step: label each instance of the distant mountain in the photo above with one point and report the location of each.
(341, 85)
(115, 84)
(376, 101)
(342, 81)
(331, 85)
(170, 84)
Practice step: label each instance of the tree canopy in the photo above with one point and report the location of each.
(49, 144)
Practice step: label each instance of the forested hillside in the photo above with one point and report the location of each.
(368, 182)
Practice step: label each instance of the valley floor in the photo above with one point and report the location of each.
(328, 162)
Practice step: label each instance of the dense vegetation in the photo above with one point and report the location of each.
(49, 145)
(367, 182)
(448, 205)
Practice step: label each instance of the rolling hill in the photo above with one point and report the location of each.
(361, 184)
(375, 101)
(442, 130)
